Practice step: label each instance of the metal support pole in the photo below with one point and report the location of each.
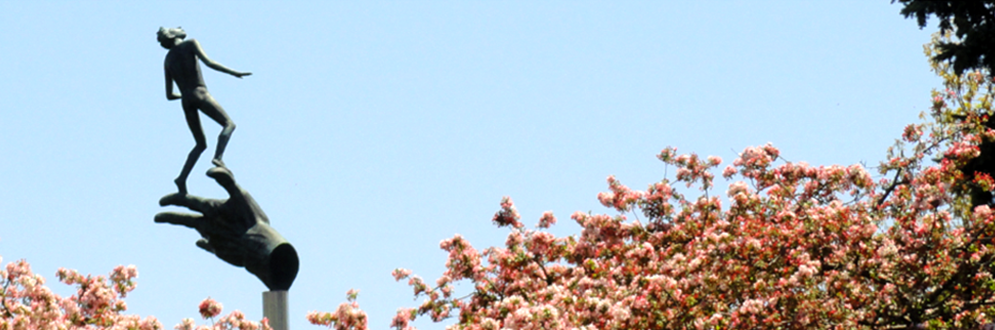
(275, 309)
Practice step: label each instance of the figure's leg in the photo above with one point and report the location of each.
(212, 109)
(193, 120)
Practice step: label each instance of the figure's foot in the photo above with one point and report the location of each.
(172, 199)
(181, 184)
(217, 162)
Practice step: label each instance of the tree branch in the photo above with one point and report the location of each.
(3, 300)
(894, 183)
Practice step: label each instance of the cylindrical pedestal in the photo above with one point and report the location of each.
(275, 309)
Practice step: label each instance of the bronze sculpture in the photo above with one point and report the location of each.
(181, 66)
(236, 229)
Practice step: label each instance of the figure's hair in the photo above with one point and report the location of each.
(167, 34)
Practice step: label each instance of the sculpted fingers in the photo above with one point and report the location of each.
(202, 243)
(173, 199)
(222, 175)
(176, 218)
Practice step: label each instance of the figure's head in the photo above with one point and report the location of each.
(170, 37)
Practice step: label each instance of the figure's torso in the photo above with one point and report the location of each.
(181, 63)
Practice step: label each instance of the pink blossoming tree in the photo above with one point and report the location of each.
(795, 247)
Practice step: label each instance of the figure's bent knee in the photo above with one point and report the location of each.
(230, 127)
(200, 147)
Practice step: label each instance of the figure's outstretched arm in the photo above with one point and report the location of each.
(169, 88)
(215, 65)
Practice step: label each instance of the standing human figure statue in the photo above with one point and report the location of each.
(182, 68)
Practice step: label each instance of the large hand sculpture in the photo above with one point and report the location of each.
(237, 231)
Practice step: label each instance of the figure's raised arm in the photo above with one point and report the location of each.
(169, 88)
(215, 65)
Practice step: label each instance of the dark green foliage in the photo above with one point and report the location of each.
(972, 21)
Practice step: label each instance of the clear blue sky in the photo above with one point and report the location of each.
(370, 131)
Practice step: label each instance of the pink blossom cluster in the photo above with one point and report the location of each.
(209, 308)
(912, 133)
(508, 215)
(620, 197)
(26, 303)
(347, 317)
(547, 220)
(984, 181)
(400, 273)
